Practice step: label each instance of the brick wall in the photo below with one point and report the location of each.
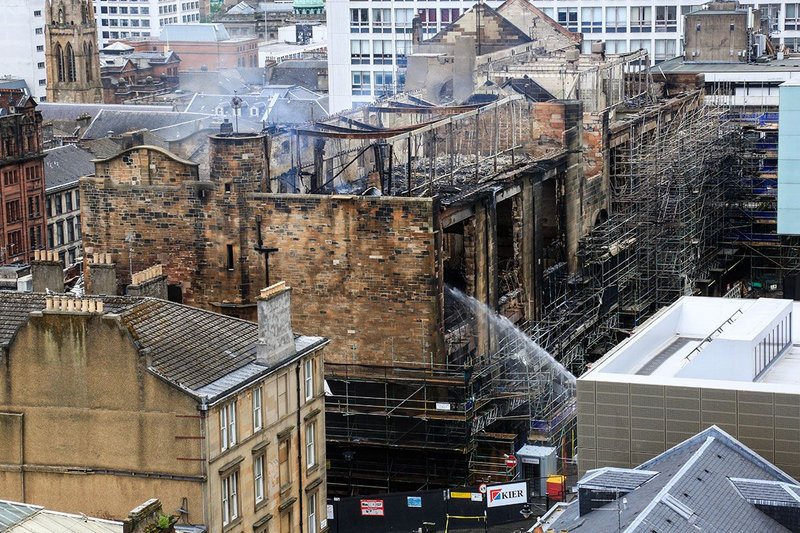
(146, 166)
(595, 169)
(22, 207)
(214, 56)
(155, 222)
(364, 270)
(543, 30)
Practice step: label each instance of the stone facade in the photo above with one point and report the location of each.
(717, 34)
(369, 262)
(73, 64)
(368, 272)
(110, 425)
(22, 198)
(543, 30)
(125, 431)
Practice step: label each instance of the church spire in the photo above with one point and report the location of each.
(73, 66)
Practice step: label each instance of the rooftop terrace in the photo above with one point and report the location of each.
(733, 343)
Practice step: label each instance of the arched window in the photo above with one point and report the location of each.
(60, 62)
(70, 63)
(88, 53)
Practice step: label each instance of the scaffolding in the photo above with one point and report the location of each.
(669, 164)
(752, 216)
(476, 402)
(669, 175)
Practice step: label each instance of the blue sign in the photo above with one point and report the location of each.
(415, 501)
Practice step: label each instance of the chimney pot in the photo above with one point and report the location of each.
(226, 128)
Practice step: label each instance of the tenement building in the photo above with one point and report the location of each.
(220, 418)
(63, 166)
(22, 197)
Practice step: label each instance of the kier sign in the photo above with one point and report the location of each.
(507, 494)
(371, 507)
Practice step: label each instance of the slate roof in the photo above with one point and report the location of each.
(170, 125)
(691, 491)
(14, 83)
(58, 111)
(63, 166)
(170, 332)
(297, 111)
(302, 72)
(617, 478)
(251, 75)
(225, 81)
(204, 353)
(529, 88)
(774, 492)
(16, 306)
(142, 60)
(286, 105)
(242, 8)
(198, 32)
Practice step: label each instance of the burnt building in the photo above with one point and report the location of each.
(515, 186)
(22, 201)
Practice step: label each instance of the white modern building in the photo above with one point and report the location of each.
(23, 44)
(625, 26)
(124, 19)
(369, 39)
(700, 362)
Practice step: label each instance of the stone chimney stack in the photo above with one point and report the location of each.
(238, 161)
(47, 271)
(464, 67)
(102, 275)
(149, 282)
(275, 336)
(416, 33)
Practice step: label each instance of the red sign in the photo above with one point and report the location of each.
(511, 462)
(371, 507)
